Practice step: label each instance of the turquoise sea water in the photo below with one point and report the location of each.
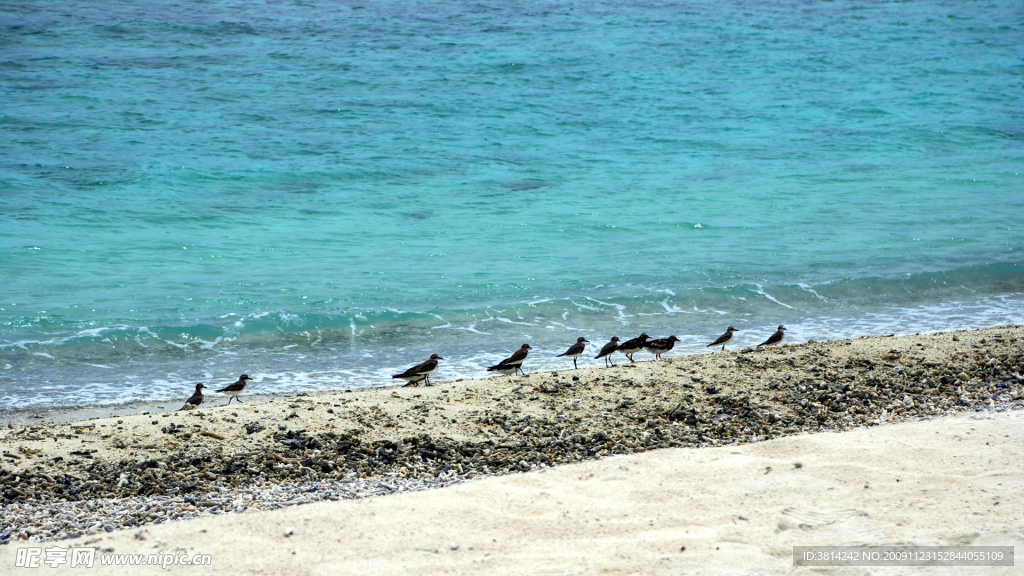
(321, 194)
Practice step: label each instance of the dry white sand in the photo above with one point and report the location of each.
(956, 480)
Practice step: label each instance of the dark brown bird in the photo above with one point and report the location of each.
(197, 397)
(233, 390)
(607, 350)
(630, 347)
(575, 350)
(724, 338)
(420, 373)
(660, 346)
(513, 363)
(775, 339)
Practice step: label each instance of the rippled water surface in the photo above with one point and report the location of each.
(322, 194)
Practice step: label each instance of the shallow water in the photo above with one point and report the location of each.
(323, 194)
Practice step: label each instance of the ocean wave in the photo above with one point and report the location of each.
(102, 373)
(608, 306)
(59, 361)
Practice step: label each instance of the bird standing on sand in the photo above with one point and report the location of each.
(575, 350)
(660, 346)
(724, 338)
(607, 350)
(196, 398)
(775, 339)
(420, 373)
(513, 363)
(630, 347)
(233, 390)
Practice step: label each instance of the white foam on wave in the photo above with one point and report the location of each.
(940, 317)
(472, 328)
(178, 345)
(585, 307)
(508, 321)
(23, 344)
(210, 345)
(672, 309)
(446, 324)
(87, 333)
(619, 308)
(760, 291)
(97, 332)
(808, 288)
(558, 325)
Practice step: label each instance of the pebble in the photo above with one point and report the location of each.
(60, 520)
(798, 391)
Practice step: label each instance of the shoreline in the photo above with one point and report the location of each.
(340, 445)
(36, 415)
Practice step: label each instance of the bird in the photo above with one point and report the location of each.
(515, 362)
(233, 390)
(630, 347)
(776, 338)
(607, 350)
(724, 338)
(419, 373)
(660, 346)
(196, 398)
(504, 369)
(575, 350)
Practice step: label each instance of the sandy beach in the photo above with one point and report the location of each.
(730, 454)
(955, 480)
